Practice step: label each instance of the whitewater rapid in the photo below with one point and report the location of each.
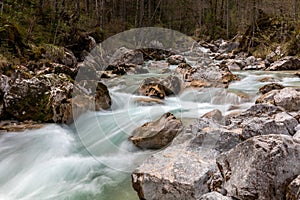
(93, 159)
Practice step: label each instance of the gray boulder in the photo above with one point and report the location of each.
(286, 63)
(206, 76)
(126, 56)
(177, 172)
(176, 59)
(287, 98)
(157, 134)
(260, 167)
(263, 119)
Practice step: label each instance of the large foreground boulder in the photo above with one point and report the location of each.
(177, 172)
(261, 167)
(157, 134)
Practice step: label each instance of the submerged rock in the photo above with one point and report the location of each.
(261, 167)
(159, 64)
(157, 134)
(148, 101)
(14, 126)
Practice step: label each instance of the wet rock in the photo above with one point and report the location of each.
(251, 60)
(139, 70)
(126, 56)
(211, 135)
(258, 66)
(286, 63)
(263, 119)
(157, 134)
(15, 126)
(272, 86)
(215, 115)
(86, 71)
(287, 98)
(211, 75)
(176, 59)
(234, 66)
(160, 88)
(158, 64)
(268, 79)
(261, 167)
(186, 70)
(165, 71)
(293, 190)
(214, 196)
(148, 101)
(224, 56)
(210, 46)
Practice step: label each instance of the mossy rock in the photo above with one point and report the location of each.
(29, 100)
(11, 39)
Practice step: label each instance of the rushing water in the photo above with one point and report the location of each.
(92, 159)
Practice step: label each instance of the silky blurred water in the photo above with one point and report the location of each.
(93, 159)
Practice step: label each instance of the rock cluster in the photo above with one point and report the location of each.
(251, 155)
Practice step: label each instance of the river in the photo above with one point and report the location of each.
(93, 159)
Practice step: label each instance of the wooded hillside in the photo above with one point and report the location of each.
(66, 22)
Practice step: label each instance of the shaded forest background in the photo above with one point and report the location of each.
(264, 24)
